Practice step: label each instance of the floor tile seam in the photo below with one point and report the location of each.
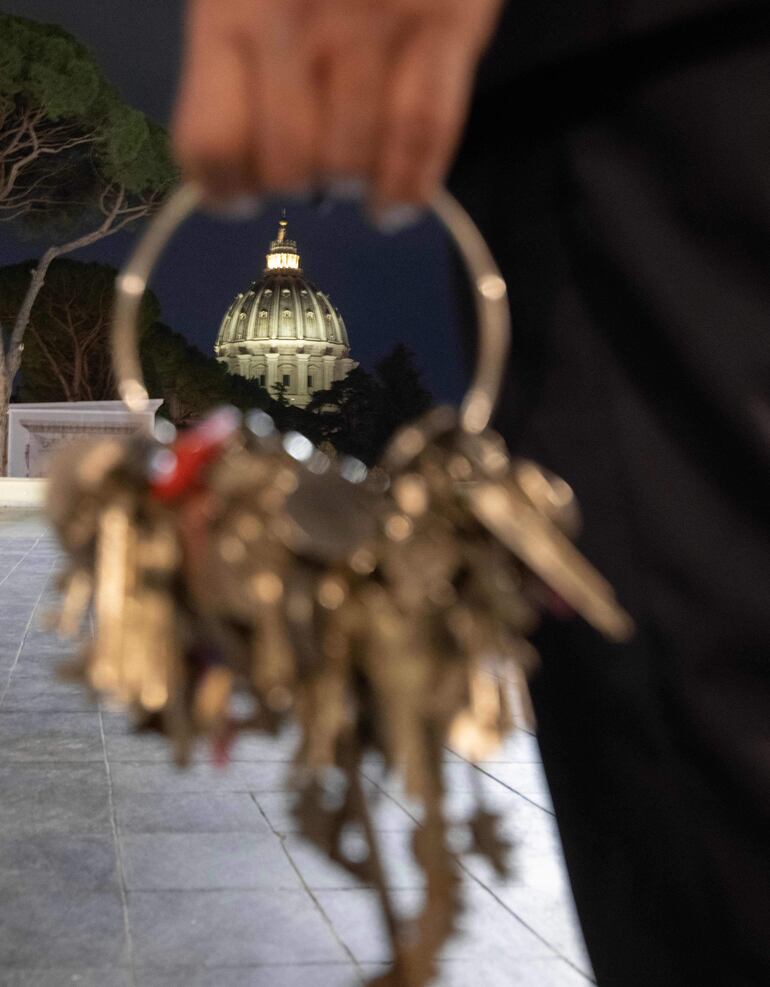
(74, 895)
(523, 922)
(527, 798)
(221, 771)
(506, 764)
(118, 857)
(24, 556)
(50, 712)
(511, 911)
(230, 889)
(503, 784)
(6, 760)
(309, 964)
(199, 832)
(38, 712)
(391, 798)
(260, 892)
(123, 791)
(32, 831)
(41, 762)
(356, 888)
(478, 767)
(32, 613)
(384, 791)
(459, 856)
(131, 760)
(128, 833)
(154, 968)
(309, 892)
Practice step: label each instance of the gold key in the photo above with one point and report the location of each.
(241, 580)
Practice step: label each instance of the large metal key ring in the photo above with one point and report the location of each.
(489, 291)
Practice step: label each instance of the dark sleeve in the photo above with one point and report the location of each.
(535, 33)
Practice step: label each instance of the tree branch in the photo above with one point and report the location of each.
(117, 217)
(54, 364)
(52, 142)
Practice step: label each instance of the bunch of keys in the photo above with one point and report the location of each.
(241, 578)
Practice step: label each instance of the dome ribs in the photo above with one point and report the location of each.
(285, 328)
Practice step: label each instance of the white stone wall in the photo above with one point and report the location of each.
(35, 431)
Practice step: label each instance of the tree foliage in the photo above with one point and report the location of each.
(77, 164)
(404, 395)
(360, 413)
(71, 151)
(67, 357)
(191, 383)
(67, 354)
(356, 415)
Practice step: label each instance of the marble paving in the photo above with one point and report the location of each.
(117, 870)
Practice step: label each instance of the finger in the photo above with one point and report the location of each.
(353, 116)
(427, 102)
(284, 103)
(211, 120)
(353, 93)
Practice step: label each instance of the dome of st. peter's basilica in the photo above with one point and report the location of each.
(285, 330)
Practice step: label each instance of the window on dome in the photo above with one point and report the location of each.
(285, 292)
(268, 291)
(263, 313)
(286, 313)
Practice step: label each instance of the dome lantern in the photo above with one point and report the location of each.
(283, 254)
(284, 332)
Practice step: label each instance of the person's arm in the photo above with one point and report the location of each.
(295, 95)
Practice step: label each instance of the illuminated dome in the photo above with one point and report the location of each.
(284, 330)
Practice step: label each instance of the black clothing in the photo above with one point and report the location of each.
(625, 189)
(541, 33)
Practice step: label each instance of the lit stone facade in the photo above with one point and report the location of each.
(284, 330)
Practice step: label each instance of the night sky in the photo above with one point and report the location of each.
(388, 289)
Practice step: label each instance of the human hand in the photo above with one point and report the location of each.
(302, 95)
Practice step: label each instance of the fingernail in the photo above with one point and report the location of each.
(397, 218)
(347, 189)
